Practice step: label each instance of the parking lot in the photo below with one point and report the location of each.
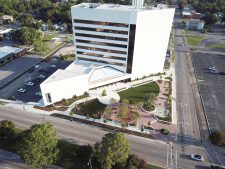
(211, 87)
(28, 94)
(17, 66)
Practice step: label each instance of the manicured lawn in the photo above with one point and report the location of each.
(47, 38)
(217, 46)
(194, 40)
(136, 94)
(92, 109)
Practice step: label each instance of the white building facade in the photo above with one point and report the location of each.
(113, 43)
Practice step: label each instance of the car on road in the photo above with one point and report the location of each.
(21, 90)
(52, 66)
(41, 76)
(29, 83)
(212, 68)
(197, 157)
(38, 94)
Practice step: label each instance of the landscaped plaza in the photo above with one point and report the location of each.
(144, 108)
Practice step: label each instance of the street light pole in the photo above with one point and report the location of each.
(89, 163)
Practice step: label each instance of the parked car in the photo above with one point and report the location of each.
(21, 90)
(29, 83)
(37, 66)
(41, 76)
(31, 70)
(38, 93)
(197, 157)
(52, 66)
(36, 80)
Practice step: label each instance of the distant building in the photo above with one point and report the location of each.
(8, 53)
(195, 25)
(6, 34)
(113, 43)
(6, 18)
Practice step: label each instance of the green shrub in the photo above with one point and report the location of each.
(104, 92)
(217, 138)
(164, 131)
(126, 101)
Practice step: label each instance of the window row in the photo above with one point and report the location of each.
(100, 37)
(101, 43)
(100, 49)
(100, 56)
(100, 30)
(101, 61)
(101, 23)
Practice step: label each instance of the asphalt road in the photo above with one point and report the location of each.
(186, 113)
(152, 151)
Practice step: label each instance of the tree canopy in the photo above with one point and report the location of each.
(7, 129)
(28, 35)
(38, 147)
(204, 6)
(209, 19)
(113, 149)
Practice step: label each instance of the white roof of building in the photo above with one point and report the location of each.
(104, 73)
(115, 7)
(3, 31)
(59, 75)
(96, 73)
(6, 50)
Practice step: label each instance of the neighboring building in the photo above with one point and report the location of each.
(195, 25)
(6, 18)
(8, 53)
(6, 34)
(187, 11)
(112, 43)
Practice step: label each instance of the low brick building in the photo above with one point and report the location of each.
(8, 53)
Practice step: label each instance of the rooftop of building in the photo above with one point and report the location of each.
(95, 73)
(6, 50)
(117, 7)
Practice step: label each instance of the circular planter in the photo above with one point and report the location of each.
(107, 100)
(142, 108)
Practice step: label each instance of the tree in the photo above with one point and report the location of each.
(209, 19)
(7, 129)
(39, 46)
(133, 162)
(28, 35)
(85, 153)
(50, 25)
(113, 149)
(182, 3)
(123, 111)
(218, 138)
(38, 147)
(104, 92)
(149, 101)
